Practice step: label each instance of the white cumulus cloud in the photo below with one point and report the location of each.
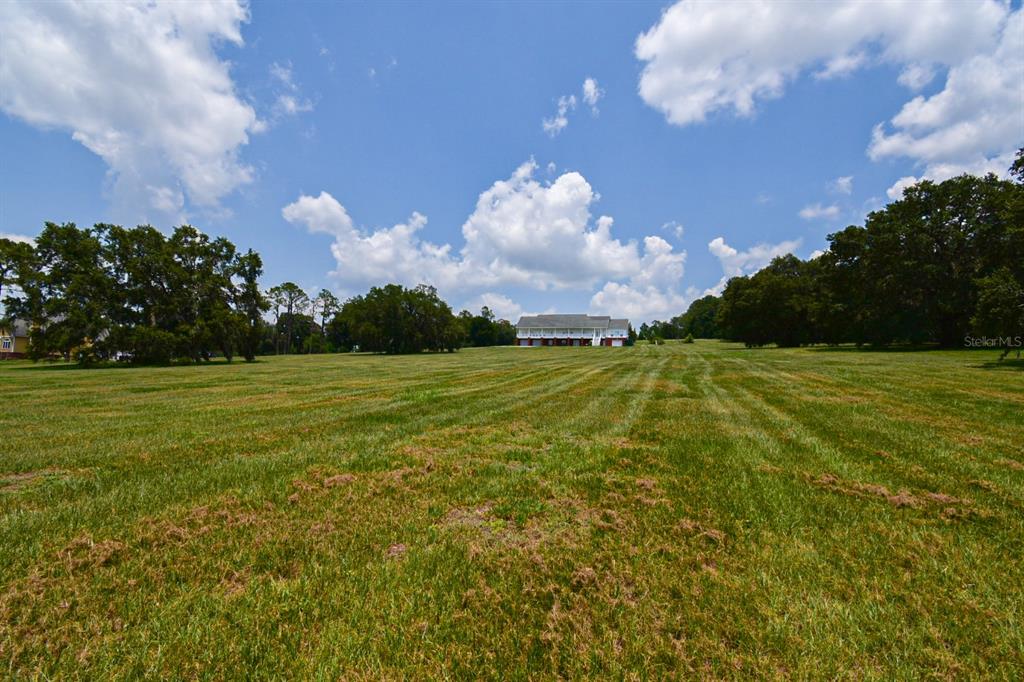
(392, 254)
(592, 92)
(974, 123)
(735, 263)
(674, 227)
(527, 233)
(522, 233)
(842, 184)
(291, 105)
(139, 84)
(503, 307)
(840, 66)
(651, 293)
(816, 211)
(289, 102)
(638, 304)
(557, 123)
(896, 191)
(916, 76)
(702, 58)
(24, 239)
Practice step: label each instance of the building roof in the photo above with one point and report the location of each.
(570, 322)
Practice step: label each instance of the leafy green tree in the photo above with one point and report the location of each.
(292, 300)
(338, 337)
(486, 329)
(924, 254)
(1017, 167)
(326, 304)
(203, 271)
(1000, 312)
(111, 292)
(699, 319)
(771, 306)
(276, 298)
(14, 258)
(505, 333)
(65, 296)
(481, 329)
(297, 329)
(393, 319)
(838, 310)
(1013, 219)
(914, 273)
(250, 303)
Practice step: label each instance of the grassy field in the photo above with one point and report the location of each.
(678, 510)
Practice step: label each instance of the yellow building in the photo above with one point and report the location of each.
(13, 339)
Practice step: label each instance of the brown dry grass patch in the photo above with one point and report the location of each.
(10, 483)
(698, 529)
(564, 523)
(832, 483)
(83, 551)
(951, 507)
(1010, 464)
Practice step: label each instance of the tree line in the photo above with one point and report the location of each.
(389, 319)
(133, 294)
(942, 265)
(110, 292)
(700, 321)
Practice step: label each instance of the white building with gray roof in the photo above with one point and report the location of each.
(571, 330)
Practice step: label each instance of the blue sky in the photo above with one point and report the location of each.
(349, 143)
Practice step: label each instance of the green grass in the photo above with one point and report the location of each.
(677, 510)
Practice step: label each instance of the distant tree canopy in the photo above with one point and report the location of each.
(392, 319)
(288, 301)
(104, 291)
(658, 330)
(944, 262)
(699, 320)
(485, 330)
(388, 319)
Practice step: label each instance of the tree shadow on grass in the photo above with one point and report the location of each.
(992, 360)
(876, 349)
(841, 349)
(1009, 364)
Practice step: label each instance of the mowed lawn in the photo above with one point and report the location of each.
(657, 511)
